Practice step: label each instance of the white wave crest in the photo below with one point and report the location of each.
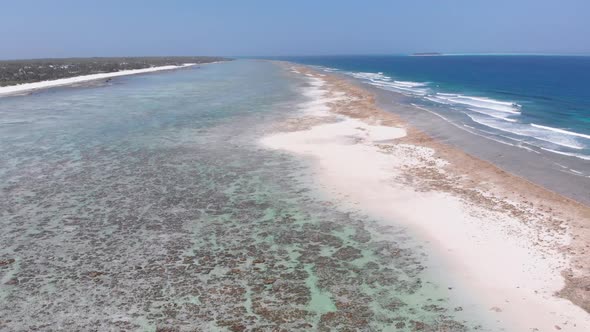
(561, 131)
(387, 83)
(479, 102)
(529, 131)
(492, 113)
(569, 154)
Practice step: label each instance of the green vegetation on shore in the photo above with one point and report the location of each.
(14, 72)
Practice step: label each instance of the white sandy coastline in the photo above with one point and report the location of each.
(20, 88)
(489, 254)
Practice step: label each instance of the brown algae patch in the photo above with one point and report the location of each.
(202, 232)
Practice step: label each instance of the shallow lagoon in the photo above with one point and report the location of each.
(146, 203)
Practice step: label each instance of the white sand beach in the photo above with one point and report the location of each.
(21, 88)
(503, 251)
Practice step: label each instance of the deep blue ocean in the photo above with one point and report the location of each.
(533, 102)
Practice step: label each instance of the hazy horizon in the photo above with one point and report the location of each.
(303, 55)
(66, 28)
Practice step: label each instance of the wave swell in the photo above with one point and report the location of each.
(500, 117)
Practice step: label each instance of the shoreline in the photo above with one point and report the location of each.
(553, 172)
(29, 87)
(374, 161)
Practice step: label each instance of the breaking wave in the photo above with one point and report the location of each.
(500, 116)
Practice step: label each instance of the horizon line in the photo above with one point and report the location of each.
(434, 54)
(418, 54)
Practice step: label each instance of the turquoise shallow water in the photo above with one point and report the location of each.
(147, 204)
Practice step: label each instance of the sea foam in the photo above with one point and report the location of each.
(496, 115)
(526, 130)
(387, 83)
(562, 131)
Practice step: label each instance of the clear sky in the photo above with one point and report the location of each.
(62, 28)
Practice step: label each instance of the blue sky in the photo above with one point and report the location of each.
(61, 28)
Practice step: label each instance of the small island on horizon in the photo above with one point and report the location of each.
(426, 54)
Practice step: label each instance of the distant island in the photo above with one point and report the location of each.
(427, 54)
(13, 72)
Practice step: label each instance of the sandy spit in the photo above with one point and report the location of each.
(517, 248)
